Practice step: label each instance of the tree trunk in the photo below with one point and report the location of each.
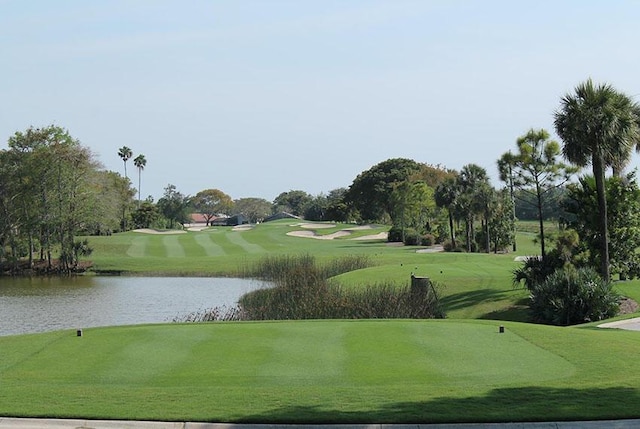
(513, 208)
(540, 220)
(598, 172)
(453, 234)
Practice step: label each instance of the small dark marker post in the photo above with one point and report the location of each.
(79, 332)
(501, 329)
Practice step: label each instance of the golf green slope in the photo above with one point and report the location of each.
(324, 371)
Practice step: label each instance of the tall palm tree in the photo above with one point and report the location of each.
(445, 195)
(598, 125)
(140, 162)
(125, 153)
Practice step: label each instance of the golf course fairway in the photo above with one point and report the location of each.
(324, 371)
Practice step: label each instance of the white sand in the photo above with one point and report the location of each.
(342, 233)
(155, 231)
(312, 234)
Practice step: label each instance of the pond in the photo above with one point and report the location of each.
(40, 304)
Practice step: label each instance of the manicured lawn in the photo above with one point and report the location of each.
(473, 285)
(371, 371)
(324, 371)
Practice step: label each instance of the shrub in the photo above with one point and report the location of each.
(427, 240)
(570, 296)
(535, 270)
(395, 234)
(448, 247)
(302, 290)
(411, 237)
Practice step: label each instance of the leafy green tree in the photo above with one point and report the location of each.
(337, 209)
(115, 198)
(55, 189)
(598, 125)
(535, 169)
(433, 175)
(174, 206)
(146, 215)
(294, 202)
(413, 205)
(254, 209)
(506, 165)
(316, 209)
(370, 192)
(140, 162)
(623, 197)
(212, 203)
(502, 223)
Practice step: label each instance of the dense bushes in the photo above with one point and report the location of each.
(303, 290)
(571, 295)
(410, 237)
(561, 294)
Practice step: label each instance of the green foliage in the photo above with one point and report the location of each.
(413, 204)
(302, 291)
(293, 202)
(600, 126)
(52, 188)
(501, 223)
(395, 234)
(536, 172)
(623, 201)
(427, 240)
(370, 193)
(146, 215)
(571, 296)
(211, 203)
(254, 209)
(535, 270)
(411, 237)
(174, 206)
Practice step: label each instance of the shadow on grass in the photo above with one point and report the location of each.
(471, 298)
(519, 312)
(500, 405)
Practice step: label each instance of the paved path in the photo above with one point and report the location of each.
(12, 423)
(630, 324)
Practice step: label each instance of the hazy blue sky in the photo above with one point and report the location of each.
(265, 96)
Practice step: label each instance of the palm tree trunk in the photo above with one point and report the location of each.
(453, 234)
(598, 172)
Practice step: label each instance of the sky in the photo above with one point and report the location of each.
(260, 97)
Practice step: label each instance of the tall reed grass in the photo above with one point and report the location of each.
(303, 289)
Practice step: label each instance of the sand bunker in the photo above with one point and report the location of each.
(312, 234)
(342, 233)
(244, 227)
(155, 231)
(315, 225)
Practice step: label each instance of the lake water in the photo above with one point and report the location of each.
(40, 304)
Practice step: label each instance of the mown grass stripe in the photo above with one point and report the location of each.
(138, 247)
(237, 238)
(210, 247)
(173, 247)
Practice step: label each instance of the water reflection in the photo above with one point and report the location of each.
(42, 304)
